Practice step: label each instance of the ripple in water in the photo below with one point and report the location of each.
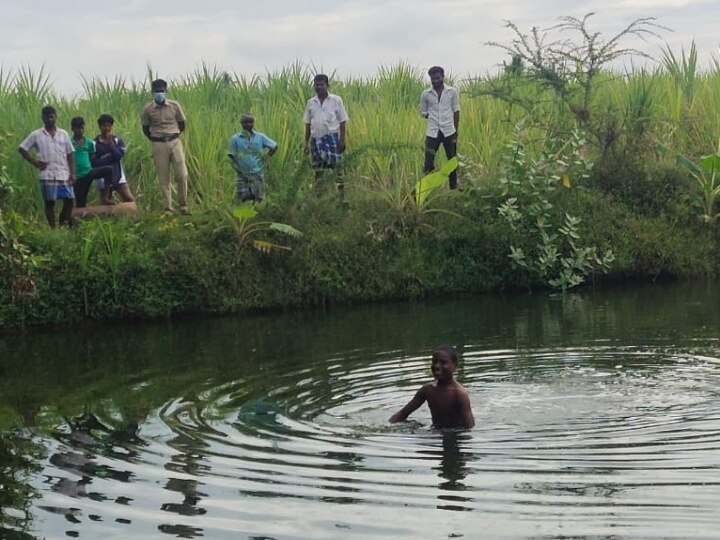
(576, 443)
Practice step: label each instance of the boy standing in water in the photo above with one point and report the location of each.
(448, 401)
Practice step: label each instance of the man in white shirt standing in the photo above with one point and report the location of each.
(55, 159)
(325, 122)
(440, 105)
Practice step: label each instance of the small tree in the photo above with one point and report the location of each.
(554, 254)
(567, 67)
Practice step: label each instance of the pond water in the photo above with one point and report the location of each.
(598, 416)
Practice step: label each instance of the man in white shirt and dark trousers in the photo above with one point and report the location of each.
(440, 105)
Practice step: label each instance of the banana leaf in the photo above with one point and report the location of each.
(711, 162)
(285, 229)
(434, 180)
(245, 212)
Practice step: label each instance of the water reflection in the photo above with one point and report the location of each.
(344, 484)
(453, 470)
(597, 414)
(181, 531)
(192, 464)
(191, 497)
(76, 464)
(454, 463)
(16, 495)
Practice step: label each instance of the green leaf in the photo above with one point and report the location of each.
(285, 229)
(427, 185)
(711, 162)
(245, 212)
(689, 165)
(449, 167)
(434, 180)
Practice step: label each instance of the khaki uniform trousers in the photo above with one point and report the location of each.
(164, 155)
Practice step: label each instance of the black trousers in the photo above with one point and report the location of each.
(82, 185)
(432, 144)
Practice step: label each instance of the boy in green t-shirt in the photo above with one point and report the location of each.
(84, 171)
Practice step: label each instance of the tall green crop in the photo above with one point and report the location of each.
(385, 132)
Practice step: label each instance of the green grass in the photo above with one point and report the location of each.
(385, 132)
(637, 202)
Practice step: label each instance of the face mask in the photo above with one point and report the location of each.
(159, 97)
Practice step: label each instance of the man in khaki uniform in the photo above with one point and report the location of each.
(163, 121)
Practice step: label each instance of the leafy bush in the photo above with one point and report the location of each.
(551, 253)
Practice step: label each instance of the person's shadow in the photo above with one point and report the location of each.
(452, 470)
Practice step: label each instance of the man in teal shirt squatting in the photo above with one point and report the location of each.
(247, 150)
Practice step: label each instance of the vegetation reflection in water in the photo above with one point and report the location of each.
(597, 414)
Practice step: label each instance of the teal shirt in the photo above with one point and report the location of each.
(247, 150)
(82, 156)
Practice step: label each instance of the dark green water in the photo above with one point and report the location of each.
(598, 416)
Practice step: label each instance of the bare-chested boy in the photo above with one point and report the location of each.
(448, 401)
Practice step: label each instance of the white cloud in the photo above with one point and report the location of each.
(352, 37)
(659, 4)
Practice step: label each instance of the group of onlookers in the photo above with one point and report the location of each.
(67, 166)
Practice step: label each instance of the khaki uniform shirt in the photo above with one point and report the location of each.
(163, 119)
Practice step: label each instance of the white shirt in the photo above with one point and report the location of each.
(325, 118)
(440, 111)
(53, 150)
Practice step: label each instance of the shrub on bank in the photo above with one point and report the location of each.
(562, 180)
(156, 267)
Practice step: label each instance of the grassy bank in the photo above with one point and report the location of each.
(565, 183)
(156, 267)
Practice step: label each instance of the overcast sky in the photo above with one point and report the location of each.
(104, 39)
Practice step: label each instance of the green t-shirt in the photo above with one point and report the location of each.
(82, 156)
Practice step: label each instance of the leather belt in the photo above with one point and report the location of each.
(166, 138)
